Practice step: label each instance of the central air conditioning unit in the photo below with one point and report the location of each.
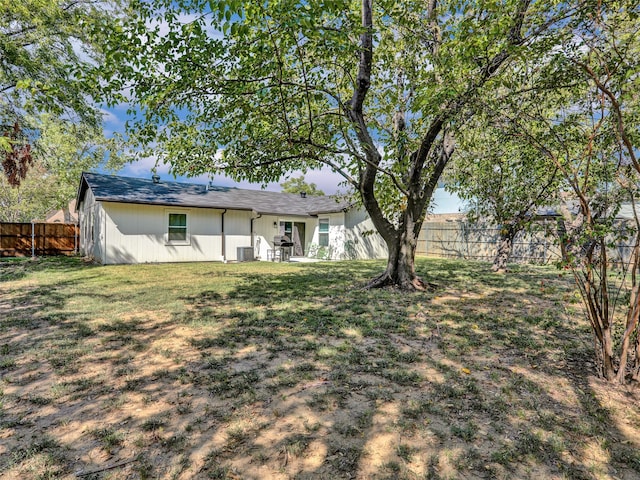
(245, 254)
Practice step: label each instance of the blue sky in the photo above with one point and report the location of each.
(326, 180)
(115, 119)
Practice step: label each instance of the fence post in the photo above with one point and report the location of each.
(427, 229)
(465, 236)
(33, 240)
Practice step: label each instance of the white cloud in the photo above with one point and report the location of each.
(184, 19)
(325, 179)
(111, 120)
(143, 167)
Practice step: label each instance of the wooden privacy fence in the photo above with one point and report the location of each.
(479, 242)
(38, 239)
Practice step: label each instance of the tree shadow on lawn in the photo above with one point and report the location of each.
(494, 397)
(304, 375)
(13, 269)
(65, 383)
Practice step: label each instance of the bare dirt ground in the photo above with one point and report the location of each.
(105, 379)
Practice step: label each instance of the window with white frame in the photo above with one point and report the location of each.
(323, 232)
(178, 231)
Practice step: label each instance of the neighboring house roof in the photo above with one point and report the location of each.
(112, 188)
(63, 215)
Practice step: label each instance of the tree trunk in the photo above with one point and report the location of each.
(431, 153)
(635, 374)
(631, 329)
(608, 362)
(400, 271)
(594, 287)
(505, 247)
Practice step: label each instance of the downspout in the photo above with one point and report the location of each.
(224, 247)
(251, 228)
(104, 233)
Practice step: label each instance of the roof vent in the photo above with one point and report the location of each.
(156, 178)
(303, 194)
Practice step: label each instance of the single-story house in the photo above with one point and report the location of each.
(135, 220)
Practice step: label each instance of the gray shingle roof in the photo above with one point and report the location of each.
(112, 188)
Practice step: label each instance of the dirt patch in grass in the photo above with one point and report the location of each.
(292, 371)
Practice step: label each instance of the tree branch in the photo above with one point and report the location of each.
(355, 113)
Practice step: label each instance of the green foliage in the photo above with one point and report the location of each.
(587, 131)
(607, 175)
(66, 149)
(504, 178)
(298, 185)
(281, 75)
(321, 253)
(31, 200)
(46, 49)
(61, 151)
(261, 90)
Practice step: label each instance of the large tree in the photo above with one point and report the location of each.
(588, 131)
(605, 53)
(61, 152)
(47, 48)
(503, 177)
(374, 90)
(298, 185)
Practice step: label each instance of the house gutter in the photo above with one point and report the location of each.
(224, 246)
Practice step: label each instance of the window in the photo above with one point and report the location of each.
(178, 228)
(285, 229)
(323, 232)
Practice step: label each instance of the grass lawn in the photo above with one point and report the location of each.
(278, 371)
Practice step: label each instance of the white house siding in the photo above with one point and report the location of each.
(351, 236)
(336, 235)
(237, 229)
(336, 226)
(264, 231)
(362, 240)
(138, 234)
(98, 234)
(114, 233)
